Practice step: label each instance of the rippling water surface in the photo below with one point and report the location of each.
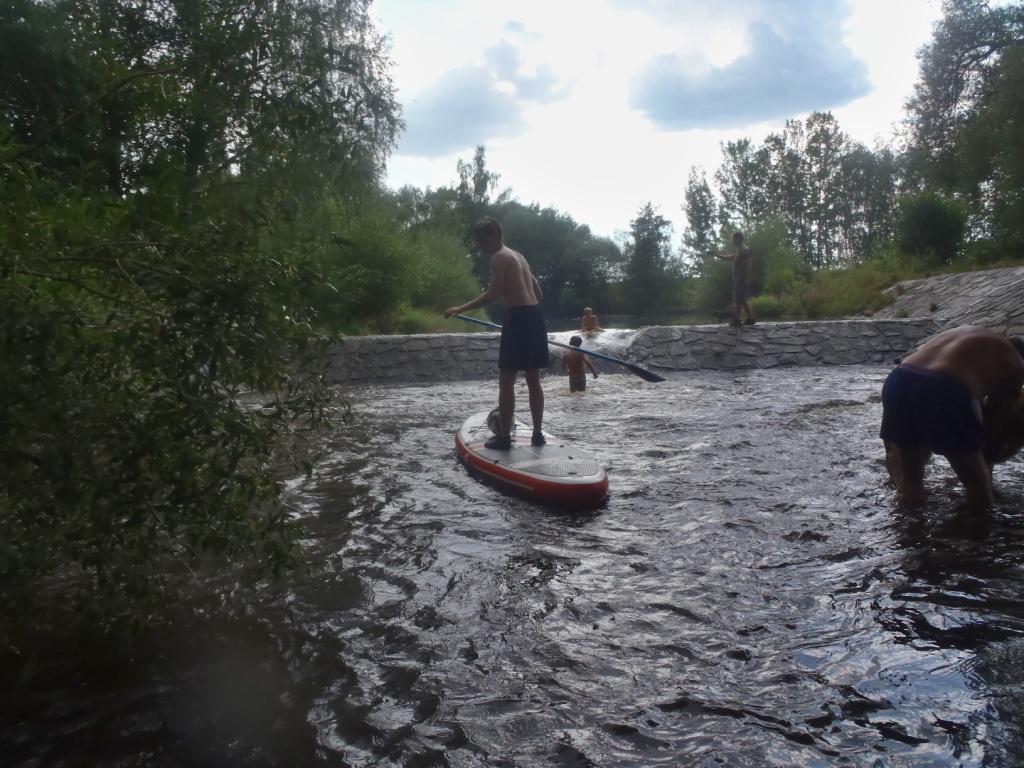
(747, 596)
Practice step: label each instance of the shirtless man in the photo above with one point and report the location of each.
(932, 402)
(524, 337)
(742, 261)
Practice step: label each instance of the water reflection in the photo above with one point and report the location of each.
(747, 596)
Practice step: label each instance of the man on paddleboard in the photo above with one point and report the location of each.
(958, 395)
(524, 336)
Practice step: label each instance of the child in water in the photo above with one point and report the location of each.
(574, 361)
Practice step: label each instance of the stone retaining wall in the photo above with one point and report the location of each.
(767, 345)
(459, 356)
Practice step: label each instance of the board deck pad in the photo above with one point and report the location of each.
(558, 472)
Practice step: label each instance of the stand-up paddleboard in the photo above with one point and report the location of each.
(556, 473)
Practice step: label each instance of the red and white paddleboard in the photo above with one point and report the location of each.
(556, 473)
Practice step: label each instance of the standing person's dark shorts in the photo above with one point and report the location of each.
(740, 293)
(524, 339)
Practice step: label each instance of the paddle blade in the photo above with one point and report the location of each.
(643, 373)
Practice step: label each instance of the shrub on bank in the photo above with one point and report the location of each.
(768, 307)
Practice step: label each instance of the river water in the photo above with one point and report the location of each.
(748, 595)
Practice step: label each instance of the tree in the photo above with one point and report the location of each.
(931, 227)
(700, 239)
(824, 149)
(648, 263)
(958, 73)
(165, 172)
(741, 179)
(570, 264)
(834, 196)
(239, 85)
(867, 203)
(787, 183)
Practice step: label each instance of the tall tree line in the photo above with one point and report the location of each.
(574, 267)
(835, 196)
(840, 201)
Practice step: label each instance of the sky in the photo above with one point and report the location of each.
(596, 107)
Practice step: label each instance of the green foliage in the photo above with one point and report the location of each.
(966, 115)
(128, 453)
(442, 271)
(777, 266)
(700, 240)
(845, 292)
(767, 307)
(713, 292)
(834, 196)
(959, 72)
(931, 227)
(991, 150)
(188, 206)
(652, 276)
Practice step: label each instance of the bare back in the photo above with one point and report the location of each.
(983, 360)
(573, 362)
(511, 275)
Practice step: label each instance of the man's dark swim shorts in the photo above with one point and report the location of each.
(922, 407)
(740, 292)
(524, 339)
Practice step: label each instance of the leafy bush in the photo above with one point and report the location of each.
(713, 293)
(846, 292)
(128, 457)
(443, 271)
(777, 264)
(767, 306)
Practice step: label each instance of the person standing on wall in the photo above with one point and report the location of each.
(524, 338)
(742, 271)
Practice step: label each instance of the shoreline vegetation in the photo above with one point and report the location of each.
(192, 206)
(836, 295)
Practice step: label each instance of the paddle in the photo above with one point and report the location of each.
(643, 373)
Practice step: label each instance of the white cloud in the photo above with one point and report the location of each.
(580, 146)
(464, 107)
(476, 104)
(794, 61)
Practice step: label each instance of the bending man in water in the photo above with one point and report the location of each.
(932, 402)
(524, 337)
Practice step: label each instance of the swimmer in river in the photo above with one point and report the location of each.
(588, 323)
(524, 336)
(573, 361)
(958, 395)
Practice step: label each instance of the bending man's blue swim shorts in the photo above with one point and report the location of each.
(925, 408)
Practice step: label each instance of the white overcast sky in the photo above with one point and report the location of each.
(595, 107)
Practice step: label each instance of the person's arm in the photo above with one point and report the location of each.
(493, 290)
(590, 365)
(1003, 415)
